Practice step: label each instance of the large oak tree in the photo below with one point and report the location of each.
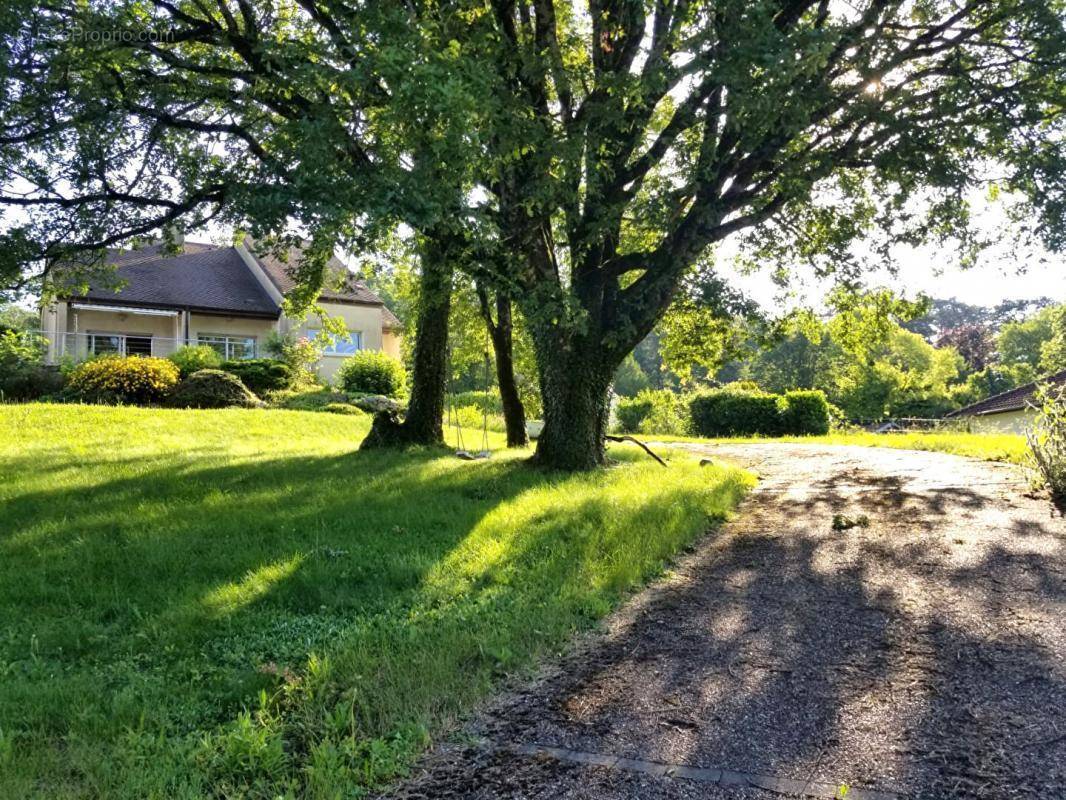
(641, 134)
(578, 158)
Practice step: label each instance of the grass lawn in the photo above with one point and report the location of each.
(983, 446)
(238, 604)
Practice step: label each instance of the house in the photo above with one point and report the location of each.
(1008, 412)
(228, 298)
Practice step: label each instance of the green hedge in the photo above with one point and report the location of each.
(805, 413)
(488, 402)
(729, 413)
(631, 413)
(745, 413)
(23, 373)
(261, 374)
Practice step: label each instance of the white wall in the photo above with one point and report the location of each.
(392, 343)
(1017, 422)
(364, 319)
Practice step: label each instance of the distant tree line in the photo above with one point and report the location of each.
(874, 356)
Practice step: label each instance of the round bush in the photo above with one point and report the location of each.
(194, 357)
(133, 379)
(371, 372)
(261, 374)
(212, 388)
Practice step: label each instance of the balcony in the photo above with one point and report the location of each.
(81, 346)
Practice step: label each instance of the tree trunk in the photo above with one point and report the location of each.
(501, 334)
(574, 391)
(424, 421)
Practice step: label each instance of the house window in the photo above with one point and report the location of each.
(119, 344)
(231, 348)
(340, 344)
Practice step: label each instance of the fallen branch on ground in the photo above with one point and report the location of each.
(639, 444)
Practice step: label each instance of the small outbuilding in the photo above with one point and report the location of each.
(1008, 412)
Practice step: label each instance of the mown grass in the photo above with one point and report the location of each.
(984, 446)
(239, 604)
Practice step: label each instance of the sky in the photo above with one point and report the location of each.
(993, 279)
(1001, 272)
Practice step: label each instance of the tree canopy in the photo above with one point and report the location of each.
(582, 159)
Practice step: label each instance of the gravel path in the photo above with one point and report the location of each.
(921, 656)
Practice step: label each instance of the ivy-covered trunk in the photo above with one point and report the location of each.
(574, 389)
(424, 421)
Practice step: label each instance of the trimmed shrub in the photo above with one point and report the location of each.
(261, 374)
(669, 414)
(372, 372)
(471, 418)
(729, 413)
(805, 413)
(195, 357)
(131, 379)
(212, 388)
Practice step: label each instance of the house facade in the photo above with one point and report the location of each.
(1013, 411)
(229, 298)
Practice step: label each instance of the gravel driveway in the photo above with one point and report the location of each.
(923, 655)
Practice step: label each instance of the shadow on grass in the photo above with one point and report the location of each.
(811, 654)
(166, 595)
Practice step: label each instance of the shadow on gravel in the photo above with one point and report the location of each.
(859, 657)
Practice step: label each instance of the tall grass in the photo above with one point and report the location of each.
(238, 603)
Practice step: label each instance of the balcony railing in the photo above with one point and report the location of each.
(81, 346)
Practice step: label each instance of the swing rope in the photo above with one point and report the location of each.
(453, 415)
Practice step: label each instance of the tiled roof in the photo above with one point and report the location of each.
(214, 278)
(1013, 400)
(345, 287)
(204, 277)
(390, 320)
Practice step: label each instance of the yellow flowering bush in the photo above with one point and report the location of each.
(133, 379)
